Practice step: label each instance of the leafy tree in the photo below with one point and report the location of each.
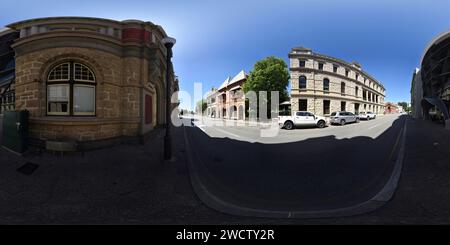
(405, 106)
(269, 74)
(201, 105)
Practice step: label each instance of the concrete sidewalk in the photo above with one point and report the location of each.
(123, 184)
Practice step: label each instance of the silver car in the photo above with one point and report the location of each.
(343, 117)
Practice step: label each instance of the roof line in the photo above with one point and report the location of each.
(340, 61)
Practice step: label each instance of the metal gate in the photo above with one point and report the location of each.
(15, 130)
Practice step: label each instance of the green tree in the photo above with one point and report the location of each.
(201, 105)
(404, 105)
(269, 74)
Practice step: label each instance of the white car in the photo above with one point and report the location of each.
(367, 115)
(301, 118)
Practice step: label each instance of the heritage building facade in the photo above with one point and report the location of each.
(211, 101)
(322, 84)
(90, 79)
(228, 101)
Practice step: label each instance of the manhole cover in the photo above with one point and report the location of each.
(28, 168)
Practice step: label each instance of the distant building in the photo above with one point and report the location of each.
(430, 87)
(211, 101)
(228, 101)
(391, 108)
(323, 84)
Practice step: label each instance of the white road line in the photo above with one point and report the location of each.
(201, 128)
(226, 132)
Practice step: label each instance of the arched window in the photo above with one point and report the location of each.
(302, 82)
(326, 84)
(71, 90)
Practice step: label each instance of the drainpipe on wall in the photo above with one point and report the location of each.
(141, 103)
(141, 113)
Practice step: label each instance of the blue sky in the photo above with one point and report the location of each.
(216, 39)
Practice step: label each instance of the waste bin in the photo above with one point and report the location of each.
(15, 130)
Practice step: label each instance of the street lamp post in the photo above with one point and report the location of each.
(168, 43)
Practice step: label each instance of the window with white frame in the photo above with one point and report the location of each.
(71, 90)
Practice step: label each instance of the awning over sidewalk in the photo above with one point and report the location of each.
(6, 79)
(439, 104)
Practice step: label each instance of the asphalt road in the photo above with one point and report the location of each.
(298, 170)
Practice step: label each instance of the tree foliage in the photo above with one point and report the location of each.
(202, 105)
(404, 105)
(269, 74)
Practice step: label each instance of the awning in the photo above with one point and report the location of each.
(439, 104)
(6, 79)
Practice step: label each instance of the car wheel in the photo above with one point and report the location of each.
(357, 120)
(368, 118)
(321, 124)
(342, 122)
(288, 125)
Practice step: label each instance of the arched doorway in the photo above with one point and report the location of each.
(224, 113)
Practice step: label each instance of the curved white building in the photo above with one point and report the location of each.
(430, 88)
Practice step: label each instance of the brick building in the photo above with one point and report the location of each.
(228, 101)
(391, 108)
(96, 81)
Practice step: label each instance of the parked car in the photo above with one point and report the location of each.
(343, 117)
(367, 115)
(302, 118)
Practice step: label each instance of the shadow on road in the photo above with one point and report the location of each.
(309, 175)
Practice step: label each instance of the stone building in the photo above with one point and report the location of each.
(211, 101)
(7, 70)
(430, 87)
(229, 101)
(323, 84)
(95, 81)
